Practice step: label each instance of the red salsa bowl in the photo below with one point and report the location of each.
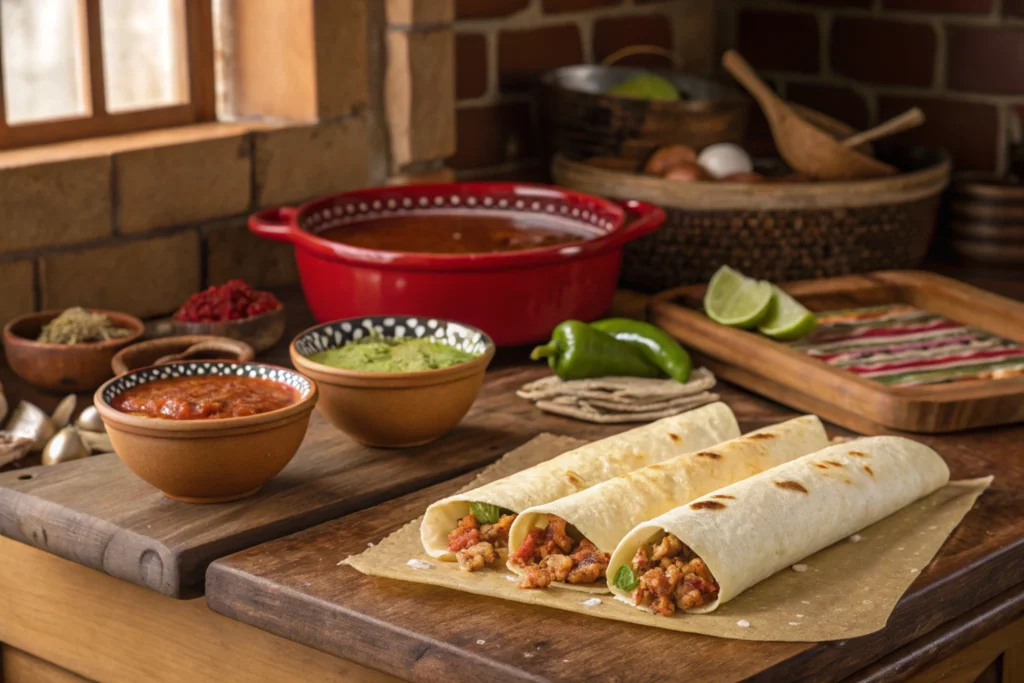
(513, 259)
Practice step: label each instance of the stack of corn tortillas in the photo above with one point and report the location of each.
(621, 399)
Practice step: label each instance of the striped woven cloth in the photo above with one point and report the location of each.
(902, 346)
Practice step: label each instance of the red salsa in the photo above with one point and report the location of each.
(205, 398)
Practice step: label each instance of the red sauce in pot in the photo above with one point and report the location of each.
(452, 233)
(205, 398)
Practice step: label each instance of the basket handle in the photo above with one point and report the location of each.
(633, 50)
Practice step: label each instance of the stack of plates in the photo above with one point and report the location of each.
(987, 221)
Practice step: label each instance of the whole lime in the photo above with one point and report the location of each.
(645, 87)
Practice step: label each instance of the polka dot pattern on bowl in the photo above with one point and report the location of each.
(208, 368)
(353, 208)
(336, 334)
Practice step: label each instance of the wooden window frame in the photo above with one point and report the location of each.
(198, 25)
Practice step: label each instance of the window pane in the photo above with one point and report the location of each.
(143, 53)
(44, 73)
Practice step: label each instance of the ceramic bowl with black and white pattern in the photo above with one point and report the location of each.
(336, 334)
(207, 368)
(395, 409)
(207, 460)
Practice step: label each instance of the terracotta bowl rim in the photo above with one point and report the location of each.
(223, 427)
(262, 317)
(332, 375)
(119, 357)
(130, 321)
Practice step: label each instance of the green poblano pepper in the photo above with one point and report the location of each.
(578, 351)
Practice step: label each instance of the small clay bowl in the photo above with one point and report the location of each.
(260, 332)
(394, 409)
(65, 368)
(207, 461)
(147, 353)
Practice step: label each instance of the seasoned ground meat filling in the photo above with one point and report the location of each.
(551, 554)
(476, 557)
(477, 546)
(671, 577)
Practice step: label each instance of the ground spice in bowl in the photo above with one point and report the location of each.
(78, 326)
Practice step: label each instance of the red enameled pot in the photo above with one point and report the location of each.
(516, 297)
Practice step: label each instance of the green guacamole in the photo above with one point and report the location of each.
(384, 354)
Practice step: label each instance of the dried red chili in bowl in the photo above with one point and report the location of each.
(233, 310)
(234, 300)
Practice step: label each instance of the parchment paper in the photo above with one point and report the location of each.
(844, 591)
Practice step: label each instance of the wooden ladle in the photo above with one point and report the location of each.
(911, 118)
(806, 148)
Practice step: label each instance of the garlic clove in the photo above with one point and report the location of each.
(90, 421)
(30, 420)
(61, 417)
(65, 446)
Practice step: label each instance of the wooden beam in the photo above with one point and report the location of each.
(20, 667)
(108, 630)
(202, 91)
(94, 52)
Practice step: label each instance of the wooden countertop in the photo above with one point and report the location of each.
(293, 587)
(98, 514)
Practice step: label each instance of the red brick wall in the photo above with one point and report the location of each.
(863, 61)
(502, 46)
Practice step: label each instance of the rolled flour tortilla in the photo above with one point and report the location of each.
(605, 513)
(582, 468)
(754, 528)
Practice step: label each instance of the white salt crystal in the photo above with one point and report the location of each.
(799, 567)
(419, 564)
(855, 538)
(743, 623)
(592, 602)
(480, 642)
(913, 571)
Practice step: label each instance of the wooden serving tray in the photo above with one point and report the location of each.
(772, 369)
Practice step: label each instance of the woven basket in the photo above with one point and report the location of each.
(775, 231)
(582, 122)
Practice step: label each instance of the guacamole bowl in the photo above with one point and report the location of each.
(394, 381)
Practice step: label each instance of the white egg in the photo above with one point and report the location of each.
(725, 158)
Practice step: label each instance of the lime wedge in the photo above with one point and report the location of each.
(787, 320)
(736, 300)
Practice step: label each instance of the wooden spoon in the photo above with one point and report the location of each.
(911, 118)
(806, 148)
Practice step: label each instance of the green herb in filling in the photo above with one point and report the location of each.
(625, 579)
(386, 354)
(486, 513)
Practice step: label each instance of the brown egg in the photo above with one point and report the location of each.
(742, 178)
(665, 159)
(687, 172)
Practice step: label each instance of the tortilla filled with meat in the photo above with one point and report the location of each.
(473, 526)
(567, 543)
(707, 552)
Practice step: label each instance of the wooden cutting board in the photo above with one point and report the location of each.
(775, 370)
(97, 513)
(294, 588)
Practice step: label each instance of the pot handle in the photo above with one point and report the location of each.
(641, 219)
(276, 223)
